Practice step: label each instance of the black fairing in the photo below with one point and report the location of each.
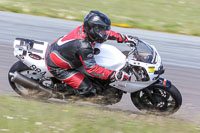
(161, 83)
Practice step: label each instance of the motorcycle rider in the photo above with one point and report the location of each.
(71, 51)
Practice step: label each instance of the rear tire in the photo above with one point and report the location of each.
(169, 100)
(25, 92)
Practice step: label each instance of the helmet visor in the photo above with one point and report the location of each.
(102, 34)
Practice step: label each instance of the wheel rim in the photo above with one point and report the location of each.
(165, 101)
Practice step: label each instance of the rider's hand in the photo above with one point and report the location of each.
(119, 76)
(131, 40)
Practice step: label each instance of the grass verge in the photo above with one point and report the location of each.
(177, 16)
(18, 115)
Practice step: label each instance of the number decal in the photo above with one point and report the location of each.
(33, 67)
(38, 70)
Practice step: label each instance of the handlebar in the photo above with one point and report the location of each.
(133, 44)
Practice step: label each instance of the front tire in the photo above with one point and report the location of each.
(168, 100)
(26, 92)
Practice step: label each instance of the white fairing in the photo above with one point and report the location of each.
(34, 58)
(110, 57)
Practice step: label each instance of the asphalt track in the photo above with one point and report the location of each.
(180, 54)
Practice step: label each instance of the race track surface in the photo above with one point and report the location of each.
(180, 54)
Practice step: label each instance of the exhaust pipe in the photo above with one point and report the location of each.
(28, 83)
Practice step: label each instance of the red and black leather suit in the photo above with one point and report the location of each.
(72, 51)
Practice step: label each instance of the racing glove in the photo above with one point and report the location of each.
(119, 76)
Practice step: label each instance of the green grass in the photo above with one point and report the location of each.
(176, 16)
(18, 115)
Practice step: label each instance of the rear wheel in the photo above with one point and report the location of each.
(168, 100)
(26, 92)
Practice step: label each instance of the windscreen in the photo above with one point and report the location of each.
(145, 52)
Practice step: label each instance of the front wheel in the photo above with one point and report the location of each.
(168, 100)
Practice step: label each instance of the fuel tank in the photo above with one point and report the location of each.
(109, 57)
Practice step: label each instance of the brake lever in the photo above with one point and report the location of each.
(132, 45)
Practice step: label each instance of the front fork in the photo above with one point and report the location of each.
(160, 83)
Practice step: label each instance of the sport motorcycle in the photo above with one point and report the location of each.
(30, 78)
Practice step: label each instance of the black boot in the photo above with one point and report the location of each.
(85, 93)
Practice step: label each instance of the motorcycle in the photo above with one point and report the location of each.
(30, 77)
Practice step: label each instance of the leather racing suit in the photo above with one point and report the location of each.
(72, 51)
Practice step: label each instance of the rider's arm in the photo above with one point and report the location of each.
(122, 38)
(117, 36)
(87, 58)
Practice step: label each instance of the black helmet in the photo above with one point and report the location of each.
(97, 26)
